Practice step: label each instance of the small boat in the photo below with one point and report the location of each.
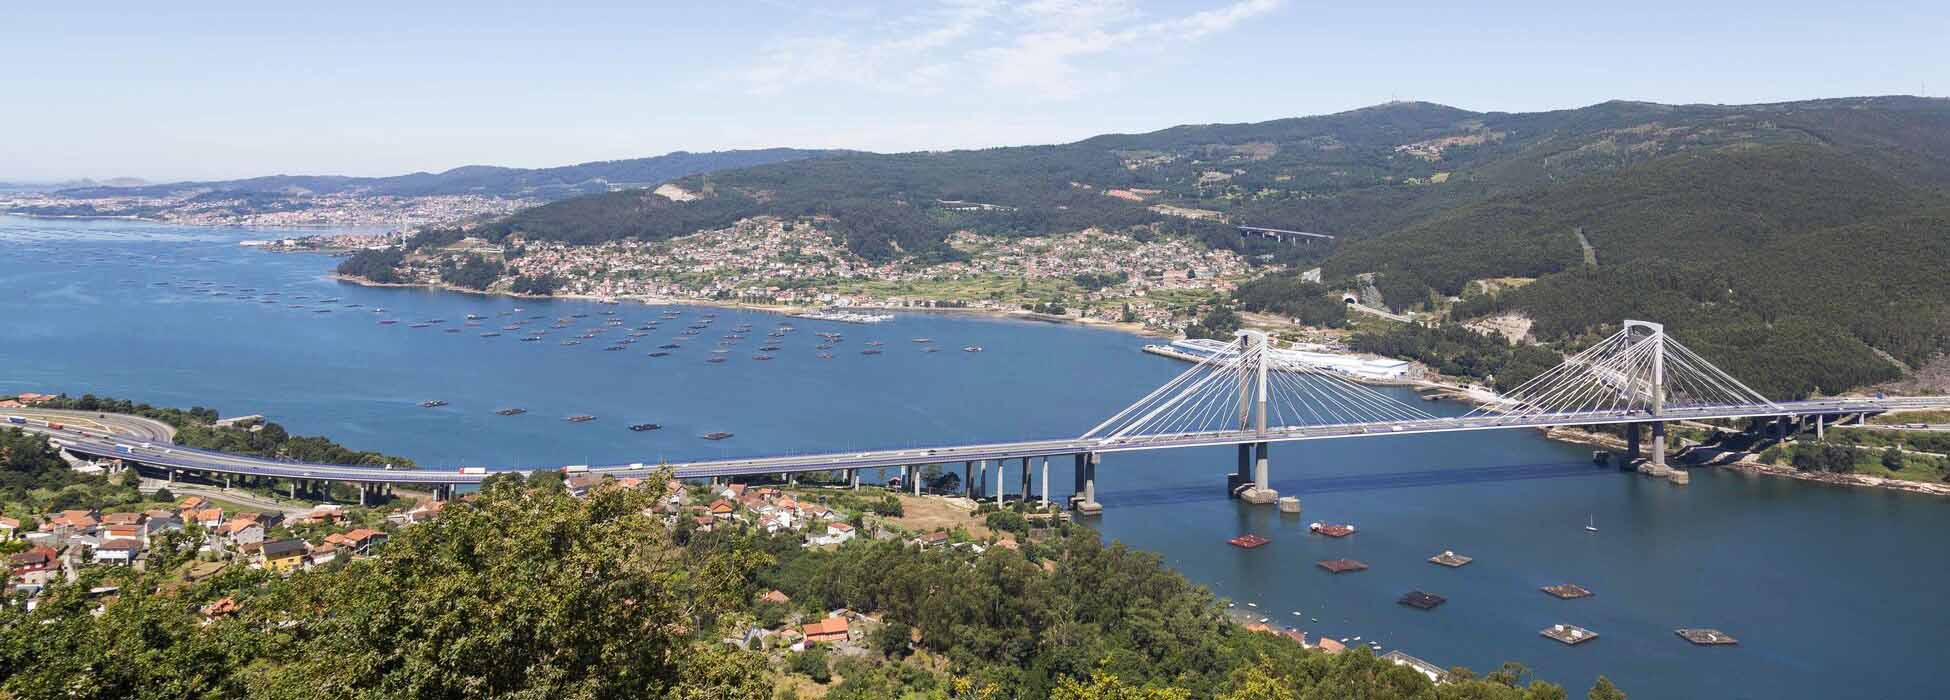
(825, 356)
(761, 357)
(388, 322)
(1591, 525)
(511, 411)
(716, 436)
(490, 334)
(642, 427)
(716, 359)
(567, 343)
(580, 418)
(660, 353)
(614, 348)
(870, 351)
(669, 346)
(419, 325)
(530, 339)
(435, 403)
(972, 348)
(874, 343)
(451, 330)
(475, 317)
(920, 340)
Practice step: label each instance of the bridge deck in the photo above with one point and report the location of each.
(107, 444)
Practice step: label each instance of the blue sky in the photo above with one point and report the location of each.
(213, 89)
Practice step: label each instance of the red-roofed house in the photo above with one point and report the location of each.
(832, 629)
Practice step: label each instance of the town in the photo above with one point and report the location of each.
(1136, 277)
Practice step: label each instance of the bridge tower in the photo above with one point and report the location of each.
(1254, 345)
(1655, 334)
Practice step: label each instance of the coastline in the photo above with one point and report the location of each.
(1005, 314)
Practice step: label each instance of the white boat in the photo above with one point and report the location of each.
(1591, 525)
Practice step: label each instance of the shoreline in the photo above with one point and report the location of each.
(783, 309)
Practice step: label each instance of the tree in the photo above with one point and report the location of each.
(1892, 458)
(891, 639)
(1106, 686)
(811, 663)
(163, 494)
(1604, 690)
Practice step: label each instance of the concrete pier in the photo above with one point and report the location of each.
(1045, 482)
(1262, 491)
(1088, 504)
(1001, 480)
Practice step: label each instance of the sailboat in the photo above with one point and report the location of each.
(1591, 525)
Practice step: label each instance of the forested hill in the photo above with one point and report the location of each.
(545, 183)
(1748, 226)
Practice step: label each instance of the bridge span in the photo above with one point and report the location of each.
(1241, 396)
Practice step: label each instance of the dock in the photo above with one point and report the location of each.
(1331, 529)
(1705, 637)
(1342, 566)
(1567, 591)
(1450, 559)
(1422, 600)
(1570, 635)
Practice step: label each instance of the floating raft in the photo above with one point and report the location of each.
(1341, 566)
(1567, 591)
(1331, 529)
(1419, 599)
(1572, 635)
(1248, 541)
(1705, 637)
(1450, 559)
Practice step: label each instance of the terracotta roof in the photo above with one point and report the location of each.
(828, 626)
(775, 597)
(1330, 646)
(131, 545)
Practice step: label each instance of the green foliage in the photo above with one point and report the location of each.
(1460, 352)
(1220, 323)
(1007, 521)
(376, 264)
(516, 594)
(1284, 294)
(539, 285)
(811, 663)
(471, 272)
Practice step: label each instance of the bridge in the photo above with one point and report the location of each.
(1283, 235)
(1241, 394)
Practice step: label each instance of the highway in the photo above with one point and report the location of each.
(146, 441)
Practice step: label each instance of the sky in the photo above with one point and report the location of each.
(212, 89)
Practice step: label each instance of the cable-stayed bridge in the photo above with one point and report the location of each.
(1243, 394)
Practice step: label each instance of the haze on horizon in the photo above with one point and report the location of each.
(228, 89)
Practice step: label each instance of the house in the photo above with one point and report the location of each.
(113, 519)
(732, 491)
(35, 560)
(153, 526)
(242, 531)
(209, 518)
(932, 539)
(192, 503)
(722, 510)
(579, 486)
(1433, 672)
(8, 526)
(1330, 646)
(119, 532)
(321, 555)
(362, 540)
(829, 630)
(118, 552)
(836, 533)
(704, 522)
(282, 556)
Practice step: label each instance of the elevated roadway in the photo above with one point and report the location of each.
(144, 441)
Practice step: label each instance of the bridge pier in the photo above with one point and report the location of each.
(1262, 492)
(1026, 481)
(364, 490)
(1085, 502)
(1632, 431)
(1001, 480)
(1819, 424)
(1045, 482)
(968, 479)
(1242, 474)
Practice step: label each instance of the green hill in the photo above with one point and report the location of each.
(1714, 217)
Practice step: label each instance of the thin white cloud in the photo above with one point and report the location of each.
(1038, 48)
